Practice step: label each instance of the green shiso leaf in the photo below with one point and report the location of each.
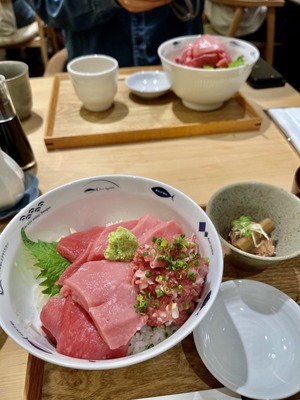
(233, 64)
(237, 62)
(48, 260)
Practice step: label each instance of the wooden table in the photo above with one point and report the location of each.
(197, 166)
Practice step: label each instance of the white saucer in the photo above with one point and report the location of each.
(31, 193)
(148, 84)
(250, 340)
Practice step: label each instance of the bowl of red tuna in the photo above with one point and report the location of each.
(107, 271)
(205, 71)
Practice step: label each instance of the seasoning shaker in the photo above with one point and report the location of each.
(13, 139)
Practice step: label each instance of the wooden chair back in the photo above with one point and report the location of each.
(34, 35)
(240, 5)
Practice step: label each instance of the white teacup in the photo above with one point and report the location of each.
(95, 80)
(17, 79)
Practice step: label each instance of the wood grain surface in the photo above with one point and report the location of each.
(198, 166)
(178, 370)
(132, 119)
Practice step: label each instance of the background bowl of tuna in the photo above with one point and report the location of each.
(259, 201)
(93, 205)
(201, 88)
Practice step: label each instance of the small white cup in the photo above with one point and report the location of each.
(17, 80)
(95, 80)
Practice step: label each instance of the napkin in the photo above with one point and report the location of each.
(288, 120)
(214, 394)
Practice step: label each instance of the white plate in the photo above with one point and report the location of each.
(250, 340)
(212, 394)
(148, 84)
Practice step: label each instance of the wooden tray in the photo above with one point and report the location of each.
(178, 370)
(133, 119)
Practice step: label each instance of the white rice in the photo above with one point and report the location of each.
(149, 336)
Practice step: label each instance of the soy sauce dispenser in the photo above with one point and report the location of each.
(13, 139)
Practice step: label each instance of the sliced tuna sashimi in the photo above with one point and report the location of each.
(49, 335)
(74, 331)
(206, 51)
(137, 227)
(95, 282)
(96, 318)
(100, 244)
(117, 320)
(73, 245)
(166, 230)
(51, 317)
(144, 224)
(71, 269)
(79, 338)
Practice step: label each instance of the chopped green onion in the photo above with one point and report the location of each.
(141, 304)
(245, 227)
(191, 276)
(167, 290)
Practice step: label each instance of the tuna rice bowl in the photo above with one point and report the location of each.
(107, 272)
(119, 289)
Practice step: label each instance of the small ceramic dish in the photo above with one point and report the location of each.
(148, 84)
(250, 342)
(257, 200)
(30, 194)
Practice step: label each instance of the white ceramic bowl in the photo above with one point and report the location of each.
(80, 205)
(206, 89)
(148, 84)
(258, 200)
(250, 340)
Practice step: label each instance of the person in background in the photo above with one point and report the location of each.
(24, 14)
(128, 30)
(220, 17)
(14, 14)
(253, 23)
(8, 25)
